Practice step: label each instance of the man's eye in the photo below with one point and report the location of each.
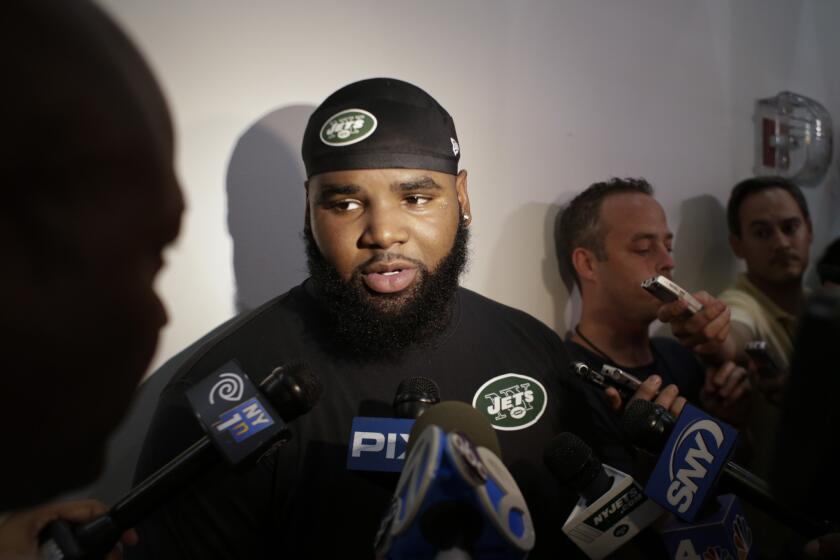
(791, 228)
(417, 200)
(762, 233)
(643, 252)
(345, 205)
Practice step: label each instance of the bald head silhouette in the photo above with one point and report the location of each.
(89, 201)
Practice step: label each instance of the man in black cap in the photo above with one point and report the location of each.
(386, 229)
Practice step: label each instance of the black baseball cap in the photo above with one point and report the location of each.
(380, 123)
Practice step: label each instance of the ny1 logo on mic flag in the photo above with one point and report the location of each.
(233, 412)
(690, 464)
(244, 421)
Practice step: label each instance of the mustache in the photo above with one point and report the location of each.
(389, 257)
(782, 257)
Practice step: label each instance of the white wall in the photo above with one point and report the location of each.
(548, 97)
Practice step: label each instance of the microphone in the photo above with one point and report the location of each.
(649, 427)
(414, 396)
(380, 444)
(696, 449)
(625, 383)
(612, 508)
(455, 498)
(292, 390)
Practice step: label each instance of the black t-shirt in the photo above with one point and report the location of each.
(671, 361)
(301, 501)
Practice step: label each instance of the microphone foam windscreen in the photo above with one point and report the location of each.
(647, 425)
(572, 461)
(310, 387)
(293, 390)
(459, 417)
(417, 388)
(637, 417)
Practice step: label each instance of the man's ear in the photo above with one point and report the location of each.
(735, 243)
(463, 196)
(583, 260)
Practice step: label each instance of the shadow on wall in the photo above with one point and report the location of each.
(266, 204)
(566, 296)
(704, 260)
(514, 264)
(555, 279)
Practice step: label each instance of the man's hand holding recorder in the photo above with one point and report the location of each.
(701, 323)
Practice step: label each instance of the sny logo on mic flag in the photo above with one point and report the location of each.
(688, 467)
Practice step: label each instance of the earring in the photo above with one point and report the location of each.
(466, 217)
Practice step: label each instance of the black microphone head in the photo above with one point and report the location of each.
(647, 424)
(293, 390)
(455, 416)
(575, 465)
(414, 395)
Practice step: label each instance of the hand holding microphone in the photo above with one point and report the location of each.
(240, 434)
(19, 530)
(826, 546)
(726, 393)
(650, 427)
(696, 449)
(766, 371)
(621, 387)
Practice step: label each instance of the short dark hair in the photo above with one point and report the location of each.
(578, 225)
(755, 185)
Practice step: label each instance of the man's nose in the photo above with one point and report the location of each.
(385, 227)
(666, 262)
(779, 239)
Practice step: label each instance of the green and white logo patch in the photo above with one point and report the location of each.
(511, 401)
(348, 127)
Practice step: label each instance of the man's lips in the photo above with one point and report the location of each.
(784, 260)
(389, 279)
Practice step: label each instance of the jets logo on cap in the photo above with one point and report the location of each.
(348, 127)
(511, 401)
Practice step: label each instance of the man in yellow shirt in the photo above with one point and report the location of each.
(770, 228)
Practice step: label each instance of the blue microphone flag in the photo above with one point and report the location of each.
(690, 463)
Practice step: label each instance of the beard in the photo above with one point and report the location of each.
(370, 324)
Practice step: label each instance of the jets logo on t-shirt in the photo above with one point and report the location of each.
(511, 401)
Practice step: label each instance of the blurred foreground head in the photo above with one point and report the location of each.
(89, 201)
